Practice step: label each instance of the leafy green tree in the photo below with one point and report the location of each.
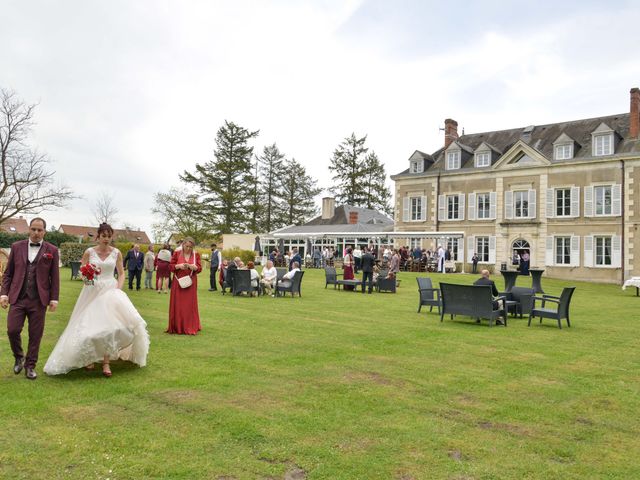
(223, 183)
(271, 175)
(297, 192)
(181, 212)
(359, 177)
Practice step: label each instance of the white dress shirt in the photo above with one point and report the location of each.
(33, 251)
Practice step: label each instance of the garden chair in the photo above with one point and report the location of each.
(428, 295)
(562, 310)
(473, 300)
(295, 287)
(330, 277)
(241, 282)
(519, 300)
(281, 272)
(386, 284)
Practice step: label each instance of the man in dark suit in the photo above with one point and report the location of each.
(30, 283)
(134, 262)
(295, 258)
(366, 264)
(485, 280)
(216, 261)
(229, 275)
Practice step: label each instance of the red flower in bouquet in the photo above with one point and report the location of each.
(89, 271)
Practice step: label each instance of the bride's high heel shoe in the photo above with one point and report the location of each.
(90, 368)
(106, 371)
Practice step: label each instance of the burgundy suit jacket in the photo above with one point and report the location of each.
(47, 272)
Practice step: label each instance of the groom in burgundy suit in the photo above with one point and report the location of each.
(30, 283)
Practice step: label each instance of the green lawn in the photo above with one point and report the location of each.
(339, 385)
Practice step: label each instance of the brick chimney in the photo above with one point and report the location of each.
(328, 207)
(353, 218)
(634, 113)
(450, 131)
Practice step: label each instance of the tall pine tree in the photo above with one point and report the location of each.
(359, 177)
(347, 166)
(223, 183)
(297, 191)
(271, 172)
(376, 193)
(255, 207)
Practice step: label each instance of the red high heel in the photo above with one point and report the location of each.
(106, 371)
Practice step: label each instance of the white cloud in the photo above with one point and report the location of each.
(132, 93)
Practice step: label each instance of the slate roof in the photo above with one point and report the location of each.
(540, 137)
(344, 228)
(342, 213)
(368, 221)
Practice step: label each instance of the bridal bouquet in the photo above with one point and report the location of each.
(89, 271)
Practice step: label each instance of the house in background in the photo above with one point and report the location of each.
(565, 193)
(15, 225)
(88, 234)
(336, 227)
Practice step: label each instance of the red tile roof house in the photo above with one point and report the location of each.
(87, 234)
(15, 225)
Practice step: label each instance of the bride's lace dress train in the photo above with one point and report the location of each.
(103, 322)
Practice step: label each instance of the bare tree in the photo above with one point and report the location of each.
(104, 211)
(26, 183)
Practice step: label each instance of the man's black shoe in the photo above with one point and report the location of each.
(31, 373)
(18, 366)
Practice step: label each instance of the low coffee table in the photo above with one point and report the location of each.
(353, 283)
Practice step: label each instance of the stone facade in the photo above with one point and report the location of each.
(566, 193)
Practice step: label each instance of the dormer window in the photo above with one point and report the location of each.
(483, 159)
(417, 166)
(563, 151)
(453, 160)
(602, 140)
(603, 144)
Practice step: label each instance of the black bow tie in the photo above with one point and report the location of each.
(34, 244)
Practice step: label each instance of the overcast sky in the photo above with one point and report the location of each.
(131, 93)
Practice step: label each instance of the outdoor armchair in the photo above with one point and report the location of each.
(428, 295)
(558, 313)
(294, 287)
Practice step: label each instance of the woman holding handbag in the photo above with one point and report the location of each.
(185, 265)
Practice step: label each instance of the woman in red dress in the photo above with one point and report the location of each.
(183, 304)
(347, 266)
(163, 260)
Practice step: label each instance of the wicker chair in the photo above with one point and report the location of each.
(428, 295)
(562, 310)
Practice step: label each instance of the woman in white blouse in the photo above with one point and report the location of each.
(269, 276)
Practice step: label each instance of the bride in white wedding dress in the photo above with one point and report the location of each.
(104, 324)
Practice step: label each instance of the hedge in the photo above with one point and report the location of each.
(245, 255)
(6, 239)
(57, 238)
(72, 252)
